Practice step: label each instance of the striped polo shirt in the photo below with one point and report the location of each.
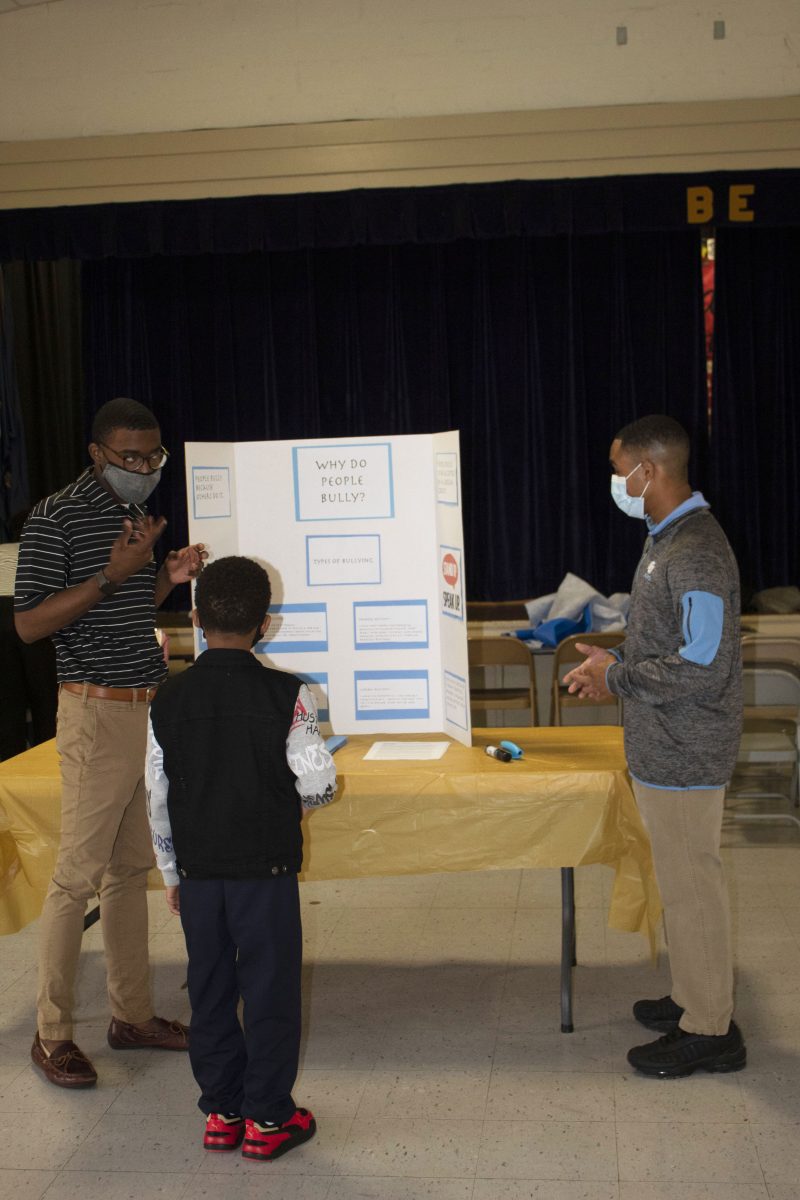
(67, 539)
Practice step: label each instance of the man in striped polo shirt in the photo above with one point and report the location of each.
(87, 578)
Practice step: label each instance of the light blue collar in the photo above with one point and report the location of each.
(696, 500)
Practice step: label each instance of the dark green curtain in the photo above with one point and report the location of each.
(45, 300)
(756, 433)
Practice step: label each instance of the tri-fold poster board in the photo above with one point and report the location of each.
(363, 542)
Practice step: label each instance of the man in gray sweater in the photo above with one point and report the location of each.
(679, 674)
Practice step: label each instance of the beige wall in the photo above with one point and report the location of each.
(115, 100)
(645, 139)
(77, 68)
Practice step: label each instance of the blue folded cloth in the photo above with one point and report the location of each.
(550, 633)
(525, 635)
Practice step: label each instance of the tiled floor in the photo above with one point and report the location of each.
(433, 1060)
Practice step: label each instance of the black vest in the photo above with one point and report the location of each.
(233, 806)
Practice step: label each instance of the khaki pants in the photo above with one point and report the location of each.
(105, 850)
(684, 829)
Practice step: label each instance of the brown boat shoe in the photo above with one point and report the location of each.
(160, 1035)
(65, 1065)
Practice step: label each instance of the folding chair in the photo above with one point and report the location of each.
(771, 668)
(497, 654)
(771, 730)
(565, 658)
(497, 610)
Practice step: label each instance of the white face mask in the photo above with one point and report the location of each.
(632, 506)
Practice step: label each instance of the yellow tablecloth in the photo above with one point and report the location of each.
(567, 803)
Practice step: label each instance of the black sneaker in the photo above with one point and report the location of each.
(680, 1053)
(662, 1014)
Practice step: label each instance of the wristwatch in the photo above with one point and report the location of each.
(106, 585)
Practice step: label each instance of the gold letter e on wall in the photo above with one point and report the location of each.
(738, 208)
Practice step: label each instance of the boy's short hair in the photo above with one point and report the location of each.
(657, 436)
(232, 595)
(121, 413)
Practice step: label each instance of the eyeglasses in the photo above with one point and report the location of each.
(135, 462)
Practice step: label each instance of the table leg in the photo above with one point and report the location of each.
(567, 946)
(91, 918)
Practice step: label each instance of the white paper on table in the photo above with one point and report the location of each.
(408, 750)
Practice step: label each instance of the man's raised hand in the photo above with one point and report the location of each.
(133, 548)
(186, 564)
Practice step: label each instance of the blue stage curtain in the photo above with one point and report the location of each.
(756, 429)
(45, 298)
(387, 216)
(14, 487)
(537, 349)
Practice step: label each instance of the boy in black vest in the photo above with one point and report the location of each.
(234, 757)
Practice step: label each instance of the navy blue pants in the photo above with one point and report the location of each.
(244, 938)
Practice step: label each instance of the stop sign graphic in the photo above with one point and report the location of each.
(450, 570)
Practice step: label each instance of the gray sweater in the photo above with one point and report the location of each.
(680, 672)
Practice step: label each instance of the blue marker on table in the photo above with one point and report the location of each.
(512, 748)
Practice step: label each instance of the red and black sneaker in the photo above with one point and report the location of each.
(223, 1133)
(266, 1142)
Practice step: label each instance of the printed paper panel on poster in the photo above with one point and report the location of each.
(451, 580)
(447, 477)
(392, 695)
(347, 481)
(391, 624)
(343, 559)
(211, 492)
(296, 629)
(456, 699)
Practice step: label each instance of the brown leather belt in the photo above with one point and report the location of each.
(95, 692)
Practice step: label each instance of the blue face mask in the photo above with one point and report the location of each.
(632, 506)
